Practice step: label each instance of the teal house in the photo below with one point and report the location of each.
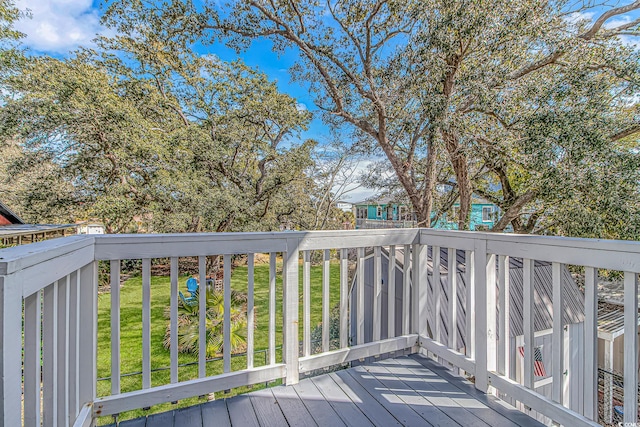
(385, 213)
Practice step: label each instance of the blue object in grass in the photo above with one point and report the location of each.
(192, 286)
(191, 301)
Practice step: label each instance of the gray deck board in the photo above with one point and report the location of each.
(241, 411)
(386, 397)
(431, 386)
(292, 407)
(409, 390)
(188, 417)
(366, 403)
(267, 409)
(516, 417)
(138, 422)
(341, 403)
(215, 414)
(321, 411)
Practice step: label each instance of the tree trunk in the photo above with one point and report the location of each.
(461, 169)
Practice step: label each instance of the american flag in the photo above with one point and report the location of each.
(538, 366)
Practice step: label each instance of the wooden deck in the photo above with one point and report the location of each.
(407, 391)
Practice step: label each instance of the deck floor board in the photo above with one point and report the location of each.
(406, 391)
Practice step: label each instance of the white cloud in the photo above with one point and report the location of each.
(578, 17)
(58, 26)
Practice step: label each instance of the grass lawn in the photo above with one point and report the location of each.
(131, 331)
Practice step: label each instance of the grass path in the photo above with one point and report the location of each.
(131, 330)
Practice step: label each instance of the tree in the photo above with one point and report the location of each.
(188, 324)
(418, 79)
(173, 142)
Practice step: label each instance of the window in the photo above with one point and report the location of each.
(487, 212)
(379, 212)
(361, 212)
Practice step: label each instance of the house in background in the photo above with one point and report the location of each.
(387, 213)
(14, 231)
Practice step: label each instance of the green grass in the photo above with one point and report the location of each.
(131, 331)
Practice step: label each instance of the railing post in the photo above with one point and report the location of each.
(419, 290)
(88, 332)
(485, 319)
(10, 352)
(290, 311)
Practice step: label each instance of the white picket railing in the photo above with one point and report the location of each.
(52, 285)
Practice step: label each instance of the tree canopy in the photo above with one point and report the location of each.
(532, 105)
(146, 137)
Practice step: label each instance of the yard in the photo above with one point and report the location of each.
(131, 331)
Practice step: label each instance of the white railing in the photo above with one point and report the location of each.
(56, 283)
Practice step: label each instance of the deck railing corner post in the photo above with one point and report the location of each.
(10, 352)
(290, 311)
(88, 338)
(485, 314)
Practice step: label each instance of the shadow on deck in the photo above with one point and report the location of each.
(408, 391)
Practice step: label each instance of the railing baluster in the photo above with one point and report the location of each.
(470, 328)
(146, 323)
(67, 287)
(272, 308)
(630, 348)
(250, 309)
(452, 285)
(406, 290)
(202, 313)
(590, 344)
(74, 328)
(437, 287)
(61, 349)
(115, 327)
(226, 349)
(557, 339)
(504, 333)
(306, 302)
(50, 355)
(377, 293)
(391, 293)
(173, 308)
(528, 272)
(360, 297)
(344, 298)
(32, 351)
(325, 301)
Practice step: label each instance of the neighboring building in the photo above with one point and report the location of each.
(386, 213)
(14, 231)
(90, 228)
(344, 206)
(7, 217)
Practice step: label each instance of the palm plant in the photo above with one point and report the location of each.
(189, 321)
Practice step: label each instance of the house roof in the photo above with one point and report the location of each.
(10, 215)
(573, 298)
(611, 321)
(15, 230)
